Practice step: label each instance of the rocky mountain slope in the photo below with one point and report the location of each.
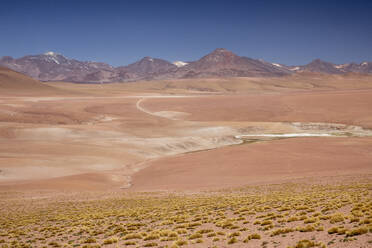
(219, 63)
(52, 66)
(224, 63)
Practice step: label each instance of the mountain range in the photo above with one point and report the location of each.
(52, 66)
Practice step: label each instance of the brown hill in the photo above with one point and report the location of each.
(16, 83)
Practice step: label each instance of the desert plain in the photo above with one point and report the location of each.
(228, 162)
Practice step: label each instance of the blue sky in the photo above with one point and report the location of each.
(121, 32)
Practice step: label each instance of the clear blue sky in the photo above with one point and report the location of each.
(121, 32)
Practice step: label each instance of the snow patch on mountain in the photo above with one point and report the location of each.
(341, 66)
(180, 63)
(50, 53)
(275, 64)
(56, 61)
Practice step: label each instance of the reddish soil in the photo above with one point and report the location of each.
(353, 107)
(92, 137)
(266, 162)
(14, 84)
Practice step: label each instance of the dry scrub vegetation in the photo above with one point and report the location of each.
(288, 215)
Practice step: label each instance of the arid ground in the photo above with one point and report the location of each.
(243, 162)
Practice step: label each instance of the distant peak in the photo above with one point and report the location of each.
(148, 59)
(319, 61)
(221, 50)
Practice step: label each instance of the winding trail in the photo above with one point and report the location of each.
(140, 108)
(170, 115)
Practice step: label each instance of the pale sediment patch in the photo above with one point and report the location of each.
(106, 118)
(313, 130)
(13, 105)
(102, 118)
(285, 135)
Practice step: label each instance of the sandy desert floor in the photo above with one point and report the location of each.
(195, 151)
(100, 142)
